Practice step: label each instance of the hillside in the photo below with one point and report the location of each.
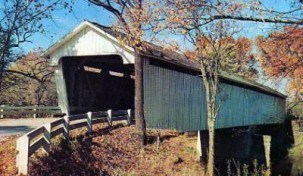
(114, 151)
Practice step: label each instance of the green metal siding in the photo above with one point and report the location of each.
(175, 100)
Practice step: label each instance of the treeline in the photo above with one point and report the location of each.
(29, 81)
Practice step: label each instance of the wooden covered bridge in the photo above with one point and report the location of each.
(94, 72)
(96, 83)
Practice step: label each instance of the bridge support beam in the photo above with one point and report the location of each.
(202, 141)
(267, 146)
(61, 89)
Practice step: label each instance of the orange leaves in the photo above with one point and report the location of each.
(192, 55)
(235, 54)
(282, 56)
(282, 52)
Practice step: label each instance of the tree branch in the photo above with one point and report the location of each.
(267, 20)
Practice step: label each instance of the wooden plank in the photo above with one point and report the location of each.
(119, 118)
(36, 132)
(48, 107)
(36, 145)
(99, 120)
(99, 114)
(57, 132)
(119, 113)
(77, 117)
(28, 112)
(78, 125)
(84, 108)
(30, 107)
(57, 123)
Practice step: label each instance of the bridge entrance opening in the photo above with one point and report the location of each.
(98, 83)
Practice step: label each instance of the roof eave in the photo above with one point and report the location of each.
(67, 37)
(63, 40)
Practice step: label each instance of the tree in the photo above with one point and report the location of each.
(282, 57)
(19, 21)
(29, 81)
(197, 19)
(131, 16)
(238, 57)
(192, 19)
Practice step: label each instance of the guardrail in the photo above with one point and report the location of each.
(41, 137)
(34, 110)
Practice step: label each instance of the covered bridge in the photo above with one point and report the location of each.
(94, 71)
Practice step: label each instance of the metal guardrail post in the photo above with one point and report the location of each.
(47, 136)
(89, 122)
(22, 157)
(129, 117)
(66, 127)
(109, 117)
(2, 110)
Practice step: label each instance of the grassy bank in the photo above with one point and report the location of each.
(117, 151)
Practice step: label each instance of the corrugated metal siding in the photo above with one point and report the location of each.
(175, 100)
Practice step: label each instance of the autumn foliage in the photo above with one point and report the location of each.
(237, 55)
(282, 56)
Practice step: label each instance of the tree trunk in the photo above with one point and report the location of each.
(211, 147)
(139, 116)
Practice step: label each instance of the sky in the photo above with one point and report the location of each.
(63, 22)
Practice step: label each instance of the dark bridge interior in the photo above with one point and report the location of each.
(98, 83)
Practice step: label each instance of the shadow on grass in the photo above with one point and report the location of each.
(71, 158)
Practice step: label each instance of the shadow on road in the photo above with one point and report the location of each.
(13, 130)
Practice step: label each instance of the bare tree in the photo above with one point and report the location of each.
(19, 21)
(29, 81)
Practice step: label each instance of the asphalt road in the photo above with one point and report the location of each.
(9, 127)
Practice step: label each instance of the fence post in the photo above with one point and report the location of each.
(47, 136)
(35, 110)
(22, 157)
(2, 110)
(129, 117)
(66, 127)
(109, 117)
(89, 122)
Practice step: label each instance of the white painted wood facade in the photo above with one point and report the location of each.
(88, 40)
(85, 40)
